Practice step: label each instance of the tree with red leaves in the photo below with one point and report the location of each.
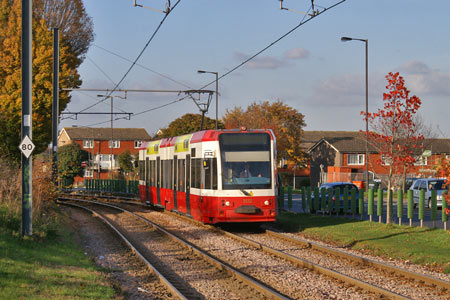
(393, 130)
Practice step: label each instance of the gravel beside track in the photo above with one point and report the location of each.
(290, 280)
(127, 273)
(201, 279)
(392, 282)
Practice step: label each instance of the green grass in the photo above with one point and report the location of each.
(47, 268)
(422, 246)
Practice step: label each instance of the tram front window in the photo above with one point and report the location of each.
(246, 162)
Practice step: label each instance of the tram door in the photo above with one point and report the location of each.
(158, 179)
(175, 182)
(188, 184)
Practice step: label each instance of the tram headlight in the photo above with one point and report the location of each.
(267, 202)
(227, 203)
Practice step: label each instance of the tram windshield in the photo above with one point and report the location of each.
(246, 161)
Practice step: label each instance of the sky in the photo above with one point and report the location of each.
(310, 69)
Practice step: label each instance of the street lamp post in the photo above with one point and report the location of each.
(217, 91)
(366, 41)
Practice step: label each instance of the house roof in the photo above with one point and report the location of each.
(355, 142)
(121, 134)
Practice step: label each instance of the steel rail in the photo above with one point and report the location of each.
(382, 266)
(262, 288)
(161, 277)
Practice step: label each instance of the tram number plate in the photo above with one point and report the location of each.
(247, 200)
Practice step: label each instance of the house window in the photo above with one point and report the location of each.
(421, 161)
(114, 144)
(88, 144)
(137, 144)
(355, 159)
(88, 173)
(386, 160)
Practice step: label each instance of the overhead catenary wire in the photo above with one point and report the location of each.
(302, 22)
(142, 66)
(137, 58)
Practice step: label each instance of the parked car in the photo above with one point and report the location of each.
(342, 186)
(428, 185)
(409, 182)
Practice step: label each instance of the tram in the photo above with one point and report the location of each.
(213, 176)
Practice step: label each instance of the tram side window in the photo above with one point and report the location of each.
(196, 172)
(152, 173)
(211, 174)
(208, 175)
(214, 173)
(181, 167)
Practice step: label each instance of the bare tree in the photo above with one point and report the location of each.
(70, 17)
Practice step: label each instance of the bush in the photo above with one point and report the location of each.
(44, 193)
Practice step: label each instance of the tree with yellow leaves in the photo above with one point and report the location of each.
(10, 79)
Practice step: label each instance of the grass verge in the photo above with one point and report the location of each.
(422, 246)
(50, 267)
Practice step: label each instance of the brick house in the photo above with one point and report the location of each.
(104, 146)
(340, 156)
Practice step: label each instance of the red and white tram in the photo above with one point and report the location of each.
(212, 176)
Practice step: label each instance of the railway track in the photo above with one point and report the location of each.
(349, 271)
(187, 271)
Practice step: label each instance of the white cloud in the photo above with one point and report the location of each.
(260, 62)
(423, 80)
(296, 53)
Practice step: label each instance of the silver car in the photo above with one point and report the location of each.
(428, 185)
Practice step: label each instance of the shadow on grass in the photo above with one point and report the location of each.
(297, 222)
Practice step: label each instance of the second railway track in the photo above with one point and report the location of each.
(348, 280)
(190, 273)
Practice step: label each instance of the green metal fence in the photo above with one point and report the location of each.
(352, 202)
(112, 186)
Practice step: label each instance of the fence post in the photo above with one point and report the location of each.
(304, 199)
(421, 206)
(316, 203)
(410, 207)
(434, 207)
(281, 198)
(390, 202)
(361, 203)
(353, 202)
(345, 199)
(444, 212)
(380, 204)
(290, 198)
(323, 198)
(370, 204)
(337, 199)
(308, 197)
(399, 206)
(330, 200)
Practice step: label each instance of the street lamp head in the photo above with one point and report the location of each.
(201, 71)
(346, 39)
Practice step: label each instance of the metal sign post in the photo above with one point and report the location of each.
(27, 162)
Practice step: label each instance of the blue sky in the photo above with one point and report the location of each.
(310, 70)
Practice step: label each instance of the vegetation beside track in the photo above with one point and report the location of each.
(422, 246)
(49, 264)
